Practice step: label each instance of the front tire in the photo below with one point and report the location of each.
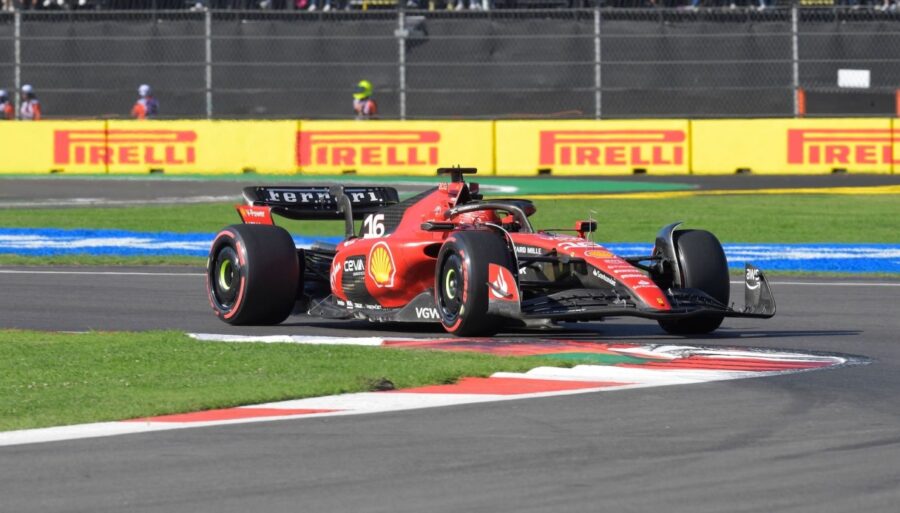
(252, 274)
(461, 281)
(704, 267)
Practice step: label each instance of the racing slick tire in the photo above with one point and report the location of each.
(461, 281)
(703, 266)
(252, 274)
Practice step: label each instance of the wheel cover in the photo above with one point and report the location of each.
(450, 296)
(224, 276)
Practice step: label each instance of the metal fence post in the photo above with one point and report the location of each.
(208, 33)
(401, 34)
(598, 93)
(17, 51)
(795, 59)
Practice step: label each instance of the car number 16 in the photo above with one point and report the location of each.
(373, 226)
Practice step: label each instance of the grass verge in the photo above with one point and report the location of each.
(739, 218)
(49, 379)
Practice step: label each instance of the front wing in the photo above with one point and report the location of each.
(591, 304)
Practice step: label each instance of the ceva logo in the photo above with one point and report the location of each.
(137, 147)
(395, 148)
(840, 146)
(633, 148)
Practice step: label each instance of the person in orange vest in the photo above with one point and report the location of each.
(7, 111)
(363, 104)
(146, 107)
(30, 110)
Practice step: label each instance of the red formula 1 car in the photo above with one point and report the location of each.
(447, 255)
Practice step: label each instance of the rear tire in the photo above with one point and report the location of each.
(704, 267)
(461, 281)
(252, 274)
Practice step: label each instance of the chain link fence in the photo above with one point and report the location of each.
(559, 63)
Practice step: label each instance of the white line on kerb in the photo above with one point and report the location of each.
(108, 273)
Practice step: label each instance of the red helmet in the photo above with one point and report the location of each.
(479, 217)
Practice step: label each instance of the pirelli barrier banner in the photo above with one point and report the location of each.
(606, 147)
(795, 146)
(143, 146)
(593, 147)
(41, 147)
(393, 147)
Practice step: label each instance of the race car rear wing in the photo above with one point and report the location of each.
(321, 202)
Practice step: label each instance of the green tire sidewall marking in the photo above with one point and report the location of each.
(447, 279)
(224, 267)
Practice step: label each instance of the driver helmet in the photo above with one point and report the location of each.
(479, 217)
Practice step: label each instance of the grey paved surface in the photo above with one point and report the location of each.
(50, 192)
(825, 441)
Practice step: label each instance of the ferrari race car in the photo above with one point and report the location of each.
(447, 255)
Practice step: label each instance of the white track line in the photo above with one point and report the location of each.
(98, 273)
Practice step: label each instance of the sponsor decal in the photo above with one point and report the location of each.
(632, 148)
(840, 146)
(125, 147)
(381, 265)
(499, 287)
(529, 250)
(354, 265)
(598, 254)
(427, 312)
(255, 215)
(579, 244)
(333, 275)
(603, 277)
(752, 278)
(501, 284)
(302, 196)
(377, 148)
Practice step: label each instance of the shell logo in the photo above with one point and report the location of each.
(381, 265)
(598, 254)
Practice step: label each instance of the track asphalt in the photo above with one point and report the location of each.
(67, 191)
(813, 442)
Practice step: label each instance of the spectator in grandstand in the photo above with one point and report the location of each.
(474, 5)
(363, 104)
(146, 107)
(30, 109)
(7, 110)
(326, 5)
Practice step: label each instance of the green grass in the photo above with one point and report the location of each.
(49, 379)
(739, 218)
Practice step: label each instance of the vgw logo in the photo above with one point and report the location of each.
(841, 146)
(126, 147)
(396, 148)
(633, 148)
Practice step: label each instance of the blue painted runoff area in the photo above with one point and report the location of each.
(823, 257)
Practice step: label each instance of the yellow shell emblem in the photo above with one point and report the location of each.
(381, 266)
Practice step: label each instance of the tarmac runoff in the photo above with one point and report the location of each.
(119, 191)
(608, 367)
